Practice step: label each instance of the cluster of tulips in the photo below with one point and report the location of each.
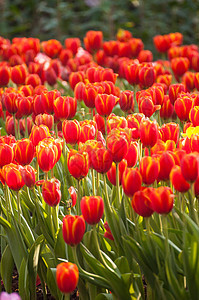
(99, 167)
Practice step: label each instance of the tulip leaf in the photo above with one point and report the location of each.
(190, 256)
(59, 245)
(104, 297)
(33, 260)
(23, 285)
(7, 265)
(51, 282)
(122, 264)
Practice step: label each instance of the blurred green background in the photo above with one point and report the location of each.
(61, 19)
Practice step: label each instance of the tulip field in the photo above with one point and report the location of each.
(99, 168)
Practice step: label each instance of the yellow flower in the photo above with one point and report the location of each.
(191, 131)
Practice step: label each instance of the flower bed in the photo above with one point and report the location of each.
(99, 167)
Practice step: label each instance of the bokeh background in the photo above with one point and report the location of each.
(72, 18)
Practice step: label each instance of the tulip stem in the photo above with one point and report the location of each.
(26, 127)
(8, 200)
(78, 197)
(98, 249)
(117, 185)
(55, 217)
(66, 297)
(15, 127)
(98, 179)
(19, 208)
(93, 181)
(105, 125)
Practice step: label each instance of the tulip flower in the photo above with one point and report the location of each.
(93, 40)
(48, 99)
(38, 133)
(166, 161)
(140, 203)
(51, 191)
(148, 132)
(78, 164)
(18, 74)
(51, 47)
(44, 119)
(67, 276)
(6, 154)
(105, 103)
(111, 174)
(92, 208)
(24, 151)
(28, 175)
(149, 169)
(118, 143)
(131, 181)
(12, 176)
(178, 181)
(71, 131)
(108, 233)
(126, 101)
(174, 90)
(47, 154)
(147, 76)
(73, 229)
(190, 166)
(161, 200)
(101, 160)
(4, 75)
(62, 107)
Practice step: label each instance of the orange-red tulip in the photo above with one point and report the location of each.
(67, 276)
(73, 229)
(92, 208)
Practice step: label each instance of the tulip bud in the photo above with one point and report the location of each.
(73, 229)
(92, 208)
(67, 276)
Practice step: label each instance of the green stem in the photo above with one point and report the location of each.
(97, 186)
(19, 208)
(55, 217)
(26, 127)
(93, 181)
(66, 297)
(117, 185)
(105, 125)
(15, 127)
(78, 197)
(192, 211)
(97, 247)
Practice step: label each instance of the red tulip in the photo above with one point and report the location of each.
(73, 229)
(18, 74)
(140, 202)
(105, 103)
(51, 191)
(6, 154)
(178, 181)
(24, 151)
(148, 132)
(131, 181)
(47, 155)
(101, 160)
(92, 208)
(12, 176)
(38, 133)
(118, 143)
(161, 200)
(166, 162)
(149, 169)
(190, 166)
(28, 175)
(78, 164)
(67, 276)
(71, 131)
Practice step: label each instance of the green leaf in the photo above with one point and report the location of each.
(122, 264)
(51, 282)
(7, 265)
(23, 285)
(59, 248)
(104, 297)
